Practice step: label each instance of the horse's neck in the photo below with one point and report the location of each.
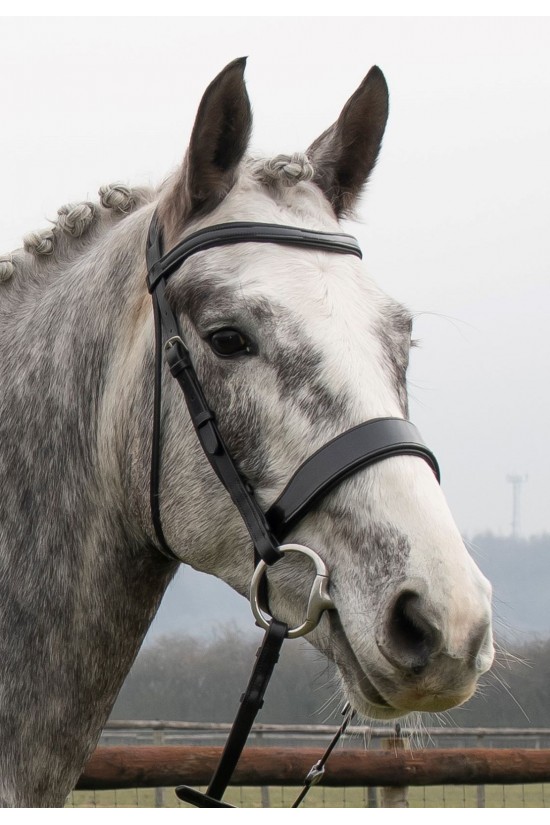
(78, 584)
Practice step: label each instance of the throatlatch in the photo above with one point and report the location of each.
(349, 452)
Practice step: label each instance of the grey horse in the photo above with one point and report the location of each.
(81, 575)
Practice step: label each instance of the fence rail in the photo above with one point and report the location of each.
(150, 767)
(159, 724)
(158, 732)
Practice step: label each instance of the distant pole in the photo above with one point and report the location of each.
(516, 482)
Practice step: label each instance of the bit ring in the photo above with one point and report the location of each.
(319, 598)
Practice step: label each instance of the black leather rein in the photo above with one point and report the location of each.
(344, 455)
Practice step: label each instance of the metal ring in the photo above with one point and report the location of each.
(319, 598)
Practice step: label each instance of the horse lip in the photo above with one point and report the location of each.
(376, 699)
(352, 667)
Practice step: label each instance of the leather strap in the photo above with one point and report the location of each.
(316, 772)
(204, 422)
(355, 449)
(251, 703)
(154, 481)
(241, 232)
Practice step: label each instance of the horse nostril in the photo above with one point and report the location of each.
(410, 638)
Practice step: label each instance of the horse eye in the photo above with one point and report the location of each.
(227, 342)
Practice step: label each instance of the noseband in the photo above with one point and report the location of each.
(344, 455)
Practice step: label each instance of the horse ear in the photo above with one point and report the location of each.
(344, 156)
(218, 142)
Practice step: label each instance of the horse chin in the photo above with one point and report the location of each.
(373, 705)
(377, 696)
(366, 701)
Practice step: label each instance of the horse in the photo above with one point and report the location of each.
(292, 346)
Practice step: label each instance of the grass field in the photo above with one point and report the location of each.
(449, 796)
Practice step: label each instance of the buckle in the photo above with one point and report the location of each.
(175, 340)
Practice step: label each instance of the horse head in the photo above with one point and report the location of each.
(293, 347)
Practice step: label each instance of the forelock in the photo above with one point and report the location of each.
(283, 171)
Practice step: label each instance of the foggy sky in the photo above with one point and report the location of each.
(455, 222)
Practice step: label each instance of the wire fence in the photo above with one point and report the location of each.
(451, 796)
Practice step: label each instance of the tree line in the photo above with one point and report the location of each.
(182, 677)
(197, 680)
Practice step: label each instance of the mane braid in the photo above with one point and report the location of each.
(6, 267)
(284, 170)
(76, 218)
(77, 226)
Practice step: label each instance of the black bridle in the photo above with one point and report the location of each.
(344, 455)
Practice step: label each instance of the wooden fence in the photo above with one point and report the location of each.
(178, 732)
(157, 754)
(150, 767)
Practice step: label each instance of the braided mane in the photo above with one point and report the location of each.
(77, 225)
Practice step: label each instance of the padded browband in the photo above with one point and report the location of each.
(359, 447)
(241, 232)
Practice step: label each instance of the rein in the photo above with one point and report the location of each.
(344, 455)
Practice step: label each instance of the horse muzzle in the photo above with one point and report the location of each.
(426, 659)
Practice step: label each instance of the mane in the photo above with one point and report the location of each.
(76, 228)
(78, 225)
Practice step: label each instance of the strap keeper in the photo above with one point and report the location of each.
(153, 276)
(207, 434)
(202, 417)
(177, 355)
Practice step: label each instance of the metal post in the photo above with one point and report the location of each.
(516, 482)
(480, 788)
(264, 790)
(158, 739)
(395, 797)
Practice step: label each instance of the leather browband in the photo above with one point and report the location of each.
(366, 444)
(240, 232)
